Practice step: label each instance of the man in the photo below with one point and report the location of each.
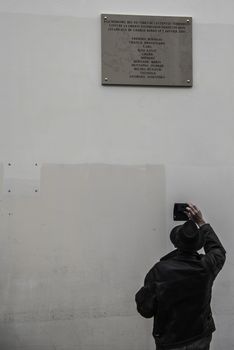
(177, 290)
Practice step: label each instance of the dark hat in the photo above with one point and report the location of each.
(187, 236)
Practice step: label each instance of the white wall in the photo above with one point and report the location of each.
(54, 110)
(73, 258)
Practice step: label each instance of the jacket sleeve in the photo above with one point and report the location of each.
(215, 252)
(146, 297)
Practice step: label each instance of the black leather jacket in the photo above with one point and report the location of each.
(177, 292)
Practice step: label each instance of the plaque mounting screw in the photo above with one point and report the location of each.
(188, 20)
(105, 18)
(106, 79)
(188, 81)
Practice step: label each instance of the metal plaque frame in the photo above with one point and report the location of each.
(146, 50)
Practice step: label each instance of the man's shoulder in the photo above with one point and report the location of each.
(170, 255)
(159, 266)
(164, 261)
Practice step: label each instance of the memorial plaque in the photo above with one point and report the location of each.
(146, 50)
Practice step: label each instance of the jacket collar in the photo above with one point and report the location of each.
(179, 254)
(188, 255)
(170, 255)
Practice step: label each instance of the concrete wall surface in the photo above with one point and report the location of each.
(73, 257)
(89, 173)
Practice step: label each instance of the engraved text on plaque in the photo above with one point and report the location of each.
(146, 50)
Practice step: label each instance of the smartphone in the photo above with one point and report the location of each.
(179, 212)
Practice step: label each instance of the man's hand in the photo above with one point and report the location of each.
(195, 214)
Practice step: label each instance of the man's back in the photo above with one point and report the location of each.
(177, 292)
(183, 293)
